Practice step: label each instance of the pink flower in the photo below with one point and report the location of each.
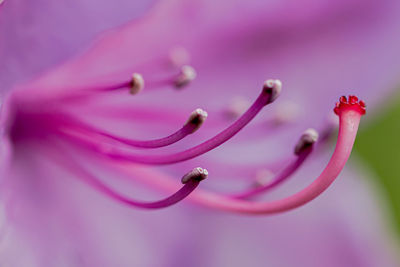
(79, 123)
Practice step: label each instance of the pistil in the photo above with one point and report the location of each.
(350, 113)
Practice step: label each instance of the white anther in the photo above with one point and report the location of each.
(186, 75)
(197, 118)
(137, 83)
(274, 87)
(308, 138)
(197, 174)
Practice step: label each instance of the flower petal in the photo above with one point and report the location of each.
(37, 35)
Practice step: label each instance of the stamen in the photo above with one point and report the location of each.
(197, 174)
(309, 137)
(186, 75)
(192, 180)
(137, 83)
(274, 88)
(188, 187)
(268, 94)
(302, 150)
(349, 119)
(196, 119)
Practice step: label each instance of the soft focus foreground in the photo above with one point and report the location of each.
(318, 52)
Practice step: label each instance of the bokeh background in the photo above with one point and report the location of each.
(378, 144)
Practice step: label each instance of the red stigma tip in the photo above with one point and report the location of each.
(351, 103)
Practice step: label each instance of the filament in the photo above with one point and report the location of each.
(190, 182)
(194, 122)
(269, 93)
(349, 119)
(279, 179)
(137, 83)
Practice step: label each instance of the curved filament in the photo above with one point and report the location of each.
(263, 99)
(188, 187)
(196, 119)
(348, 125)
(279, 179)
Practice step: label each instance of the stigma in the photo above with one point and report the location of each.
(352, 103)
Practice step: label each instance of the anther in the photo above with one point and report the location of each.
(196, 119)
(272, 87)
(137, 83)
(186, 75)
(309, 137)
(103, 188)
(194, 122)
(266, 180)
(197, 174)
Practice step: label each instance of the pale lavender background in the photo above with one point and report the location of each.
(64, 26)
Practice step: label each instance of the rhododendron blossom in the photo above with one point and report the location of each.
(197, 110)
